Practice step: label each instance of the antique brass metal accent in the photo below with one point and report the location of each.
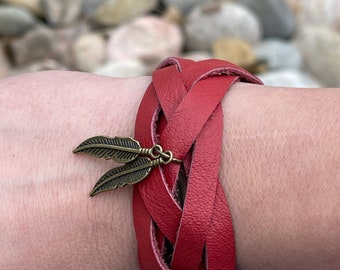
(139, 161)
(119, 149)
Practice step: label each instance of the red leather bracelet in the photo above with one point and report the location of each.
(181, 215)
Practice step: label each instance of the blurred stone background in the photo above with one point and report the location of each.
(285, 42)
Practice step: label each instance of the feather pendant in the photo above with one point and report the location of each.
(128, 174)
(120, 149)
(139, 161)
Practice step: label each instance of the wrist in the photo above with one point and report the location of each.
(47, 218)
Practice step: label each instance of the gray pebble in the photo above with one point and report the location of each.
(35, 45)
(209, 22)
(276, 17)
(279, 54)
(289, 78)
(90, 7)
(15, 20)
(320, 12)
(113, 12)
(32, 5)
(320, 47)
(62, 12)
(186, 5)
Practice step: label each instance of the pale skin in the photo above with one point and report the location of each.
(280, 171)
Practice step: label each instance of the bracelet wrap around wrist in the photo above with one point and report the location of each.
(181, 215)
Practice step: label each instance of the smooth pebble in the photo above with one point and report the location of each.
(149, 39)
(15, 20)
(210, 22)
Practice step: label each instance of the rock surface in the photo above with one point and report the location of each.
(89, 51)
(185, 5)
(90, 7)
(320, 47)
(289, 78)
(197, 55)
(123, 69)
(174, 15)
(148, 39)
(210, 22)
(35, 45)
(61, 12)
(320, 12)
(234, 50)
(279, 54)
(15, 20)
(276, 17)
(295, 6)
(65, 38)
(32, 5)
(112, 12)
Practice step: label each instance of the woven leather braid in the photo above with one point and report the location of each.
(181, 111)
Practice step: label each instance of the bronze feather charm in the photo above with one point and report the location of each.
(128, 174)
(139, 161)
(118, 148)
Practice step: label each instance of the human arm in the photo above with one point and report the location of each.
(280, 171)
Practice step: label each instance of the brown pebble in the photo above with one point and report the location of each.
(234, 50)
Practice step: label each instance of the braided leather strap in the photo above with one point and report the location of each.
(181, 215)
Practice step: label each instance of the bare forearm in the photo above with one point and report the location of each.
(47, 219)
(280, 172)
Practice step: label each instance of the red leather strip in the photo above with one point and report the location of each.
(181, 111)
